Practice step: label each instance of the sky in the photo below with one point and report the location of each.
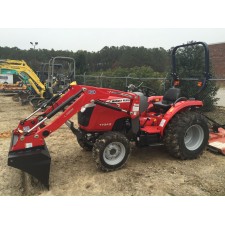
(92, 24)
(94, 39)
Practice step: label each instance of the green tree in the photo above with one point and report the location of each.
(81, 61)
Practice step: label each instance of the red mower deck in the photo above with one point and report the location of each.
(217, 141)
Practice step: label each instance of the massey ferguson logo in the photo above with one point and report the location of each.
(119, 100)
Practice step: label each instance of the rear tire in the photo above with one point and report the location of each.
(111, 151)
(186, 136)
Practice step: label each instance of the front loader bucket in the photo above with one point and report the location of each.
(35, 161)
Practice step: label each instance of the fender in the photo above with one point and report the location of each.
(180, 106)
(155, 98)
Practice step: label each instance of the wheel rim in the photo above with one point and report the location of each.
(114, 153)
(194, 137)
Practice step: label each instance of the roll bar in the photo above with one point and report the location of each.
(207, 75)
(205, 46)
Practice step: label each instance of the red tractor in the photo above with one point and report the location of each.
(108, 121)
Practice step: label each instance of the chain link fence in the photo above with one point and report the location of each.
(121, 82)
(217, 112)
(213, 96)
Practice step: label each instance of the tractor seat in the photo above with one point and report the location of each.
(169, 98)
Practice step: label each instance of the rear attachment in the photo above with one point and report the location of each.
(35, 161)
(217, 141)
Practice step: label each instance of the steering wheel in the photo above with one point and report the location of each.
(148, 91)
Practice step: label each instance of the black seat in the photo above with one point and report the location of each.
(169, 98)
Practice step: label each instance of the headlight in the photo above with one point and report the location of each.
(83, 108)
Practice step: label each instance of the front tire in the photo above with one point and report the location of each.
(187, 135)
(111, 151)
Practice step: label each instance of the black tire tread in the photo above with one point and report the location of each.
(100, 145)
(176, 127)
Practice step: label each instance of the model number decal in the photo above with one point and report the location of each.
(105, 124)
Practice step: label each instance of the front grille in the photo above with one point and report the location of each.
(84, 117)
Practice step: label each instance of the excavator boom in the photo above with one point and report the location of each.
(27, 74)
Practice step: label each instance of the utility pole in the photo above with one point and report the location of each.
(34, 45)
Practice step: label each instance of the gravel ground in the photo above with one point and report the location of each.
(149, 171)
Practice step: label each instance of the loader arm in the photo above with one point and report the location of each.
(28, 151)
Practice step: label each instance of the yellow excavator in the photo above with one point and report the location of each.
(29, 81)
(30, 88)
